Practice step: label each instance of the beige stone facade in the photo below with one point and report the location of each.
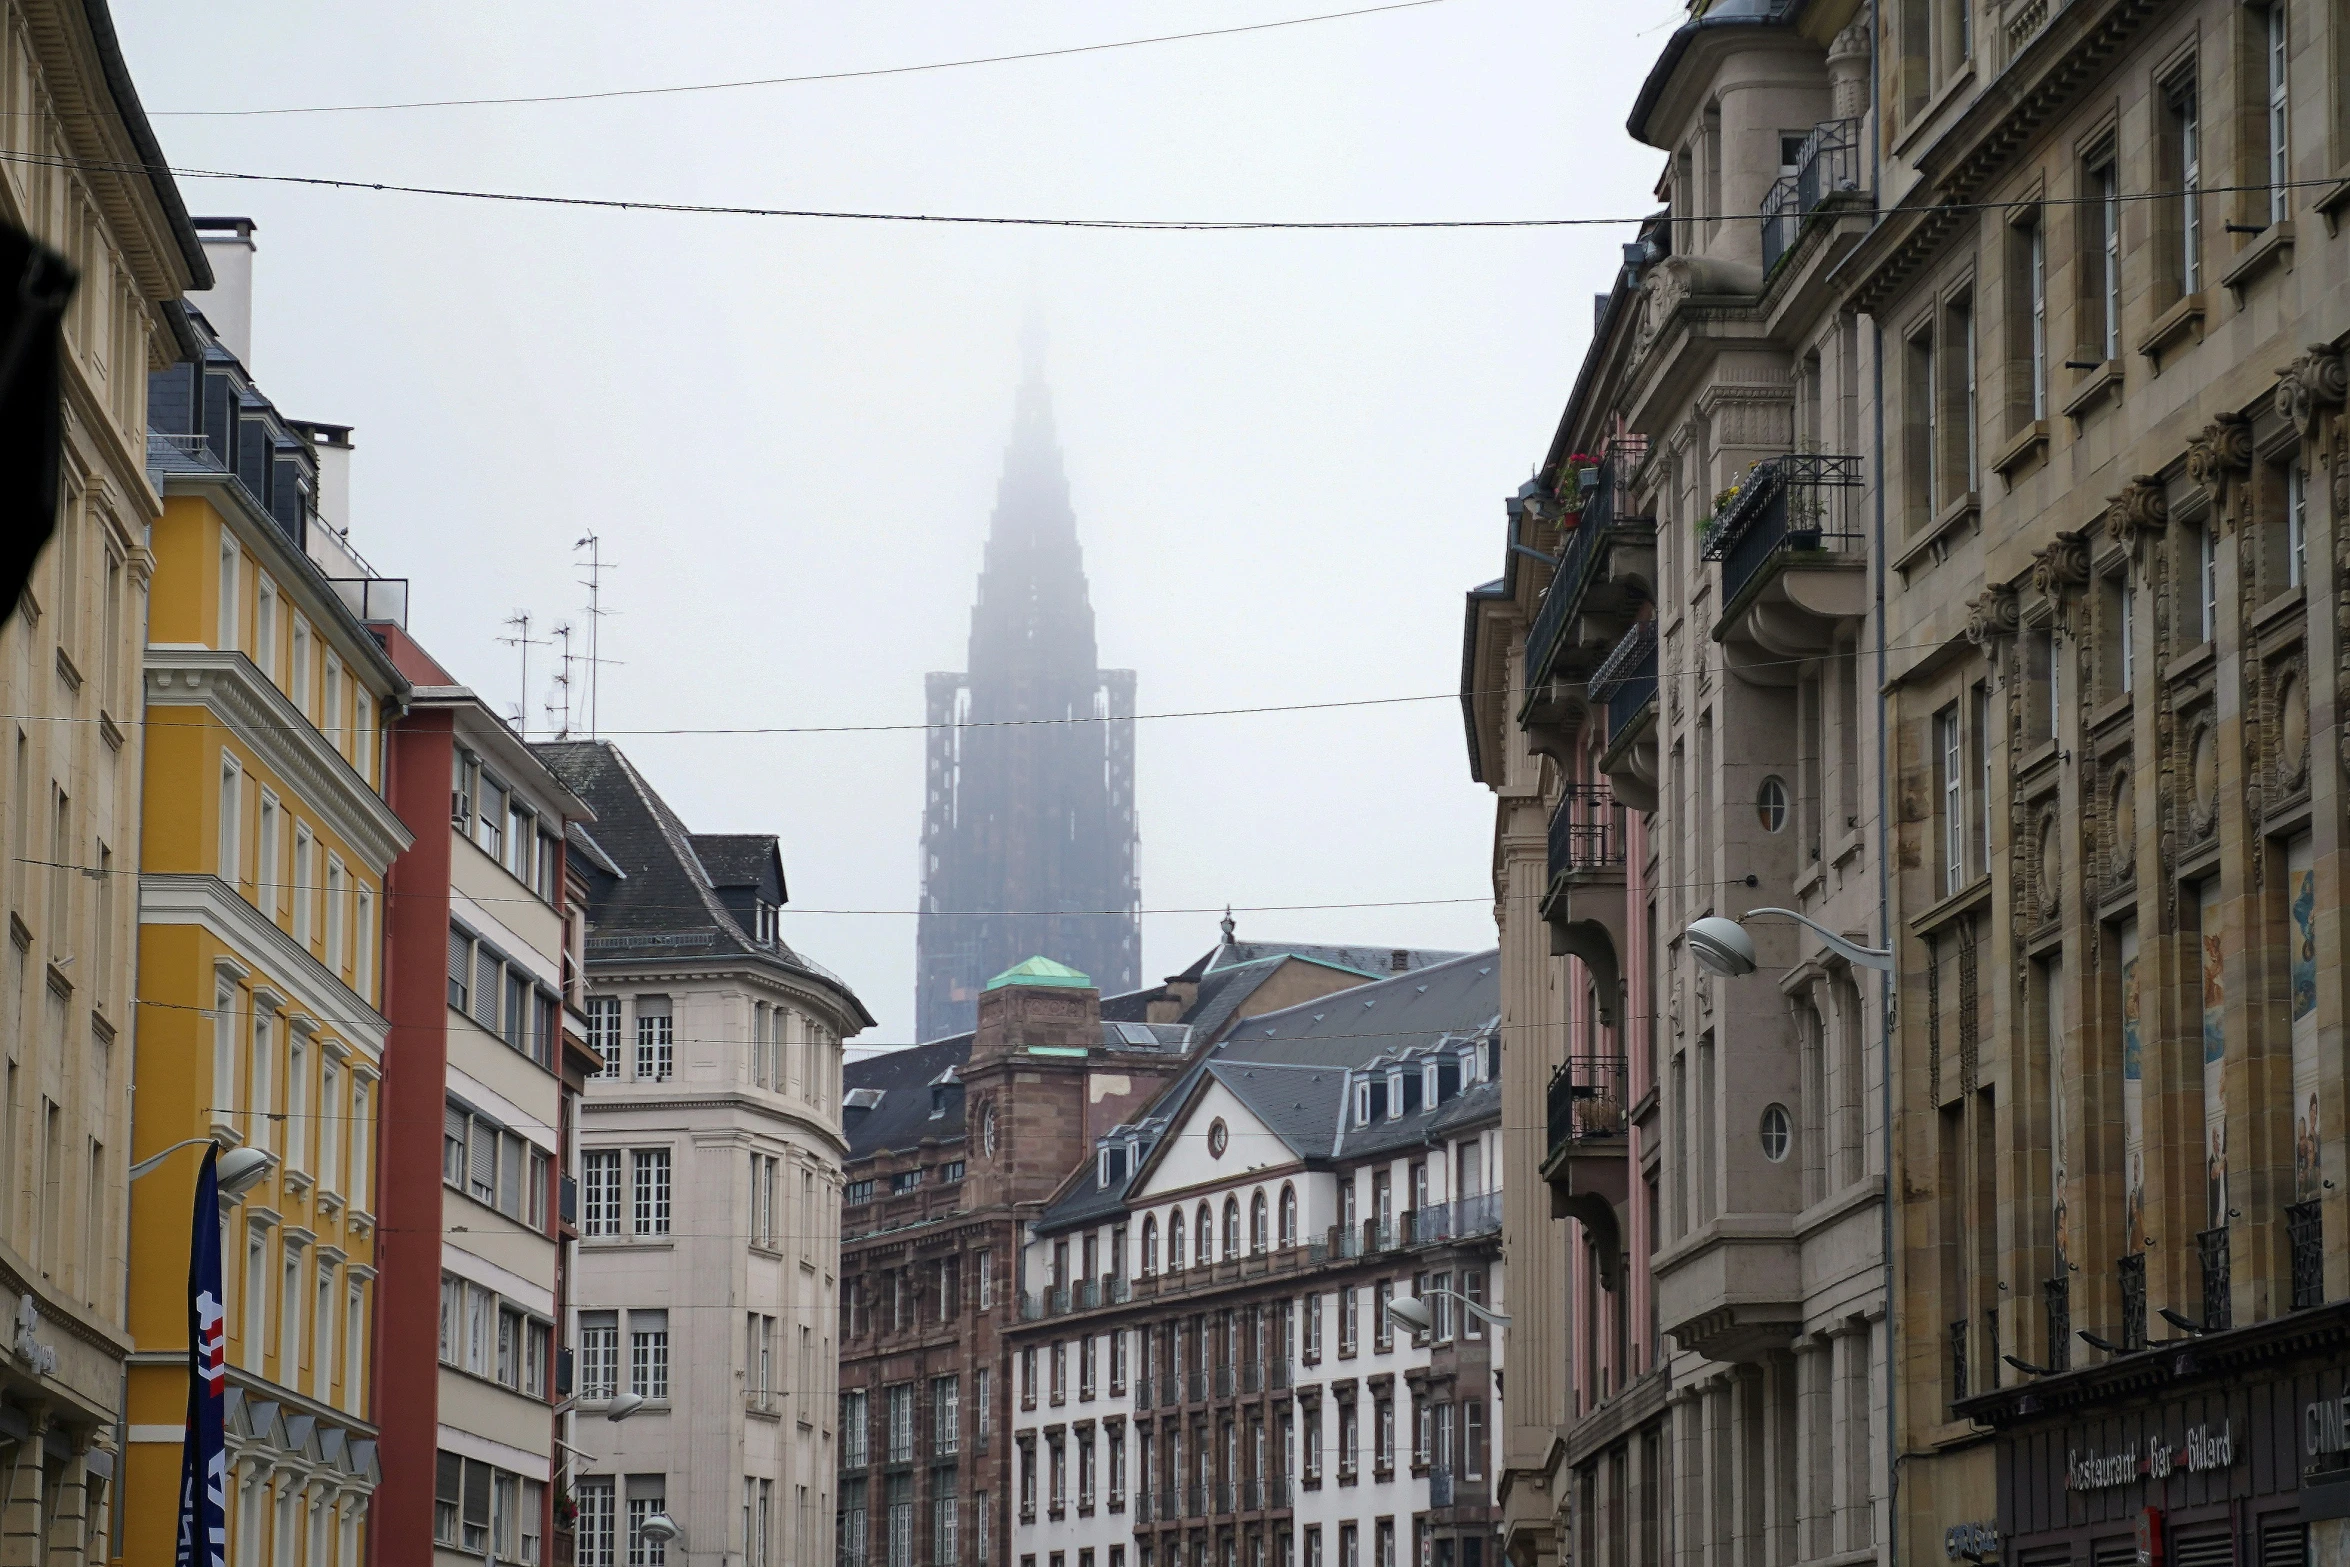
(69, 783)
(2114, 468)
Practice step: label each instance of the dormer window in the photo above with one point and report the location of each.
(1109, 1165)
(768, 922)
(1362, 1102)
(1395, 1094)
(1431, 1084)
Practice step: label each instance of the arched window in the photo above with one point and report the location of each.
(1175, 1241)
(1258, 1241)
(1150, 1244)
(1231, 1228)
(1204, 1231)
(1288, 1215)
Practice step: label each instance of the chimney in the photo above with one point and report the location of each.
(228, 304)
(332, 443)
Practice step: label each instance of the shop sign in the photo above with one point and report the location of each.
(1970, 1542)
(2203, 1450)
(2325, 1426)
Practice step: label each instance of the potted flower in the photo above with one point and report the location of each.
(1583, 472)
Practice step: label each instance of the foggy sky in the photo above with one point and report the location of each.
(1287, 451)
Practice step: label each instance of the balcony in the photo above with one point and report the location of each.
(1144, 1504)
(1794, 563)
(1584, 902)
(1606, 571)
(1625, 683)
(1226, 1377)
(1282, 1374)
(1196, 1387)
(1198, 1500)
(1143, 1393)
(1252, 1376)
(1588, 1163)
(1443, 1223)
(1828, 166)
(1439, 1488)
(1280, 1495)
(1226, 1495)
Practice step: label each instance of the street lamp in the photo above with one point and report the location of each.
(239, 1170)
(1723, 946)
(1411, 1312)
(623, 1405)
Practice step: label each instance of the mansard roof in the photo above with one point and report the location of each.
(665, 904)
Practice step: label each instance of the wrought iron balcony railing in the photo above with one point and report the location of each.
(1795, 506)
(2305, 1231)
(1958, 1366)
(1440, 1487)
(2211, 1249)
(2059, 1295)
(1224, 1381)
(1586, 537)
(1586, 831)
(1587, 1104)
(1829, 163)
(1625, 681)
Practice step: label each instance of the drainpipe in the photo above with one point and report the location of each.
(1884, 807)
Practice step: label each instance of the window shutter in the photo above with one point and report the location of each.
(510, 1177)
(477, 1493)
(460, 965)
(448, 1478)
(483, 1161)
(485, 989)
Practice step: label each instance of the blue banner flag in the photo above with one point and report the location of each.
(203, 1539)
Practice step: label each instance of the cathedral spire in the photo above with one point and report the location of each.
(1031, 801)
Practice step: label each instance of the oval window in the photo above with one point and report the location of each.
(1770, 803)
(1219, 1138)
(1777, 1133)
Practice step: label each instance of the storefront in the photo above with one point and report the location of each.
(2226, 1451)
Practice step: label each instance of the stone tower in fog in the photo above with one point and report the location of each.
(1028, 832)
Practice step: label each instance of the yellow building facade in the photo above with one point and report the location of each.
(266, 840)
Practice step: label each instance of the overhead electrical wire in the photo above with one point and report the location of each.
(1152, 225)
(793, 81)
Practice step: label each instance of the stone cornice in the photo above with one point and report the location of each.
(628, 1096)
(1962, 162)
(208, 901)
(249, 706)
(628, 973)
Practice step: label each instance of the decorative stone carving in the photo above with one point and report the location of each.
(2202, 780)
(2141, 510)
(2289, 730)
(1993, 617)
(2062, 569)
(2050, 878)
(2217, 456)
(2122, 850)
(2318, 380)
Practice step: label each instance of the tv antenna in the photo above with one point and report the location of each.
(596, 565)
(558, 702)
(519, 622)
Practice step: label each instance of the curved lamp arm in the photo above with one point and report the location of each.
(147, 1165)
(1850, 952)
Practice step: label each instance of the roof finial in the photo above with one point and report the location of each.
(1225, 924)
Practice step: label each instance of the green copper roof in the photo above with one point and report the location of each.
(1041, 973)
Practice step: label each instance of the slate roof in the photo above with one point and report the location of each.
(740, 859)
(903, 1079)
(903, 1119)
(1290, 1068)
(1373, 961)
(666, 900)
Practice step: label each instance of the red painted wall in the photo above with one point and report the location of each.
(408, 1161)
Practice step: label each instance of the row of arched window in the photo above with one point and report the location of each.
(1261, 1237)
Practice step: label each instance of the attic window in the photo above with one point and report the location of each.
(938, 1101)
(1431, 1085)
(768, 923)
(1395, 1095)
(1363, 1102)
(1109, 1166)
(861, 1099)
